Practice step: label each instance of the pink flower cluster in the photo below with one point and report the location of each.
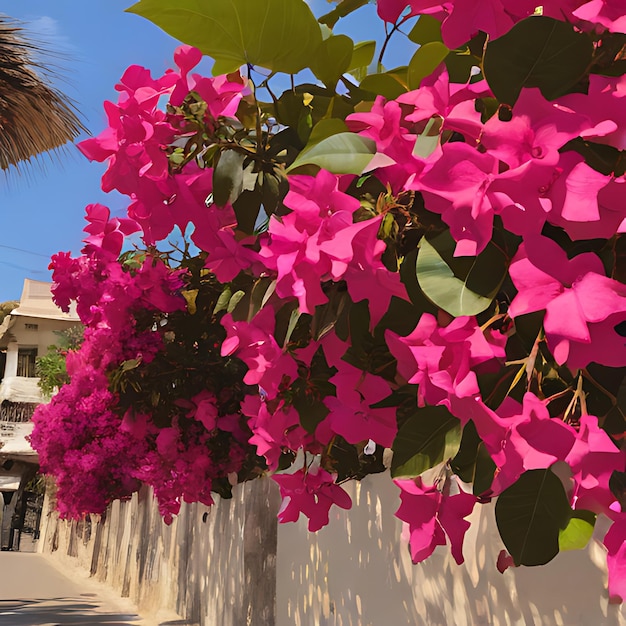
(520, 173)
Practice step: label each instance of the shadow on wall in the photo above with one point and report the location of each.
(357, 572)
(73, 611)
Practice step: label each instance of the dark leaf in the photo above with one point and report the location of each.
(429, 436)
(530, 515)
(537, 52)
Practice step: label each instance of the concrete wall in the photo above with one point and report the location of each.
(239, 568)
(211, 566)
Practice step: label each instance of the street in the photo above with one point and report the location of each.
(33, 592)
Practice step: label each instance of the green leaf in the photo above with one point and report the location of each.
(576, 535)
(332, 58)
(425, 61)
(426, 29)
(429, 436)
(473, 463)
(343, 153)
(362, 54)
(428, 140)
(223, 300)
(345, 7)
(537, 52)
(246, 208)
(326, 128)
(383, 85)
(530, 514)
(228, 178)
(459, 285)
(459, 66)
(279, 35)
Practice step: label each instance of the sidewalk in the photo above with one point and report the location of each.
(33, 592)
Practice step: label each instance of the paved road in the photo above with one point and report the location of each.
(34, 593)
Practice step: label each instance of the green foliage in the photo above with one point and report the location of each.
(280, 35)
(531, 514)
(51, 367)
(578, 532)
(459, 285)
(430, 435)
(343, 153)
(537, 52)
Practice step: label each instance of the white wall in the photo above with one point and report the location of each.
(227, 571)
(358, 572)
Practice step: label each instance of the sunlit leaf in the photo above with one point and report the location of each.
(426, 29)
(276, 34)
(425, 61)
(576, 535)
(383, 85)
(343, 153)
(332, 58)
(362, 54)
(459, 285)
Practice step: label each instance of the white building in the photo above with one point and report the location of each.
(25, 333)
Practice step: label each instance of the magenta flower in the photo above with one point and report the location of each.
(582, 305)
(311, 492)
(432, 516)
(254, 343)
(351, 414)
(615, 543)
(441, 360)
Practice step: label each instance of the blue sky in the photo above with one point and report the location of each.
(42, 206)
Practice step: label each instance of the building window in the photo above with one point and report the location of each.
(31, 326)
(26, 362)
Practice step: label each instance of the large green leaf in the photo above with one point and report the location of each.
(429, 436)
(459, 285)
(426, 29)
(425, 61)
(530, 515)
(332, 58)
(537, 52)
(383, 85)
(343, 153)
(362, 54)
(280, 35)
(228, 177)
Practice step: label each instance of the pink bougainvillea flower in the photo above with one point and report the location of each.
(107, 233)
(432, 516)
(457, 185)
(441, 359)
(533, 440)
(254, 343)
(203, 408)
(537, 130)
(311, 492)
(606, 13)
(351, 414)
(593, 458)
(584, 202)
(582, 305)
(615, 543)
(603, 105)
(275, 427)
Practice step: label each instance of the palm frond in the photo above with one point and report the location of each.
(34, 117)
